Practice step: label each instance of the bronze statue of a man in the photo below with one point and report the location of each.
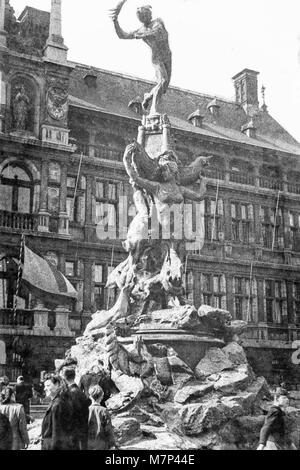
(154, 33)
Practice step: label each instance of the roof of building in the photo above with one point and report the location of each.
(114, 91)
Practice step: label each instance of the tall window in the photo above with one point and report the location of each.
(213, 217)
(76, 202)
(75, 273)
(242, 218)
(16, 190)
(276, 302)
(107, 203)
(99, 286)
(213, 290)
(295, 230)
(296, 298)
(272, 227)
(188, 284)
(245, 299)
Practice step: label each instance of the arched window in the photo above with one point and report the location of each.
(16, 189)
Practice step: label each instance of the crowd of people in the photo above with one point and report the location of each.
(76, 418)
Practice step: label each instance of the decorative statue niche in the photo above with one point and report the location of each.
(24, 107)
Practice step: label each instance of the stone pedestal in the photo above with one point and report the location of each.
(41, 327)
(155, 135)
(62, 321)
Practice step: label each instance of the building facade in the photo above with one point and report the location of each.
(63, 130)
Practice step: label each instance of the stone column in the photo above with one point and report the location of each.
(227, 219)
(62, 321)
(55, 49)
(2, 97)
(88, 286)
(41, 327)
(257, 224)
(229, 294)
(63, 227)
(262, 318)
(43, 219)
(89, 222)
(92, 142)
(288, 243)
(3, 33)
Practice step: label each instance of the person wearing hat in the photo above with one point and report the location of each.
(273, 435)
(23, 395)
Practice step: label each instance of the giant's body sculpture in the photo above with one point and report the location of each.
(152, 307)
(155, 35)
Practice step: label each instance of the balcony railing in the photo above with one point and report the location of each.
(18, 221)
(107, 153)
(215, 174)
(272, 333)
(294, 188)
(242, 178)
(270, 183)
(24, 319)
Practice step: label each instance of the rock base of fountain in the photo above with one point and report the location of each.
(174, 404)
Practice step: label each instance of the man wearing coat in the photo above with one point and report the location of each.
(57, 425)
(80, 410)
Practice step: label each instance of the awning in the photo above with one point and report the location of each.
(40, 275)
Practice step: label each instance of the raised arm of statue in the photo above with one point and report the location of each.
(114, 14)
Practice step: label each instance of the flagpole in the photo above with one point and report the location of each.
(18, 278)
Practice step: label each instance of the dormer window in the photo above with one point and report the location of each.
(136, 105)
(249, 129)
(214, 107)
(196, 119)
(90, 80)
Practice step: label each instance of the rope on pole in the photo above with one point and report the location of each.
(18, 278)
(215, 212)
(275, 221)
(77, 183)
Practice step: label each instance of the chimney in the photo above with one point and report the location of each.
(3, 33)
(55, 49)
(196, 118)
(246, 90)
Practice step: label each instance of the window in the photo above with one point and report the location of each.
(107, 205)
(245, 299)
(294, 219)
(76, 202)
(8, 284)
(213, 290)
(70, 269)
(272, 227)
(242, 222)
(188, 284)
(16, 189)
(99, 286)
(213, 218)
(276, 302)
(296, 298)
(112, 293)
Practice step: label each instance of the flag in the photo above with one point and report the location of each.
(41, 276)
